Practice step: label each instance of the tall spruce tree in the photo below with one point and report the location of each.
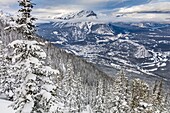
(1, 68)
(6, 82)
(25, 20)
(120, 97)
(158, 98)
(34, 89)
(2, 71)
(140, 97)
(72, 90)
(100, 102)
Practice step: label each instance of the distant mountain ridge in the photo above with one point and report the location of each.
(81, 14)
(136, 46)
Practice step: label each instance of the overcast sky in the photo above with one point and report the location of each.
(54, 7)
(70, 5)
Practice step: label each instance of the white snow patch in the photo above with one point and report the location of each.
(99, 41)
(55, 32)
(57, 42)
(133, 71)
(115, 66)
(28, 107)
(154, 69)
(4, 105)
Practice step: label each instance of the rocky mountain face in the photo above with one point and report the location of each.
(140, 48)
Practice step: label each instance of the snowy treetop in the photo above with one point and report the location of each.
(26, 45)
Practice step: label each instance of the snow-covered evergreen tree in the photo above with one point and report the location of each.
(24, 24)
(167, 102)
(35, 91)
(100, 102)
(158, 98)
(25, 21)
(140, 97)
(120, 96)
(6, 86)
(2, 71)
(109, 96)
(1, 67)
(72, 93)
(80, 96)
(32, 80)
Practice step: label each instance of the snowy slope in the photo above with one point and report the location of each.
(4, 105)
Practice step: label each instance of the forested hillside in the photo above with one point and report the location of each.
(41, 78)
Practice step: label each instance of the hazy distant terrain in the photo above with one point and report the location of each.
(141, 48)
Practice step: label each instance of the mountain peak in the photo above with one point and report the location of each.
(86, 13)
(81, 14)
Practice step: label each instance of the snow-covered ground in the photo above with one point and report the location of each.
(4, 105)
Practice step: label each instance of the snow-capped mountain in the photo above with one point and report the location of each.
(140, 47)
(81, 14)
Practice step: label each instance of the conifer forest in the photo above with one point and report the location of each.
(36, 76)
